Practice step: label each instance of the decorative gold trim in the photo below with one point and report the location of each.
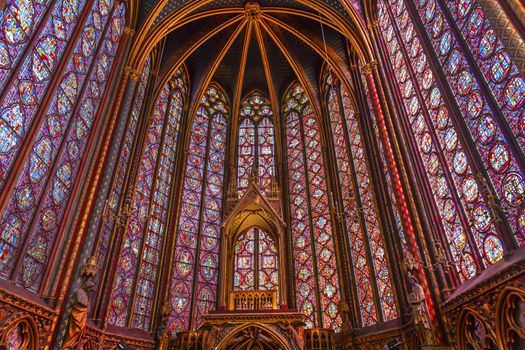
(129, 32)
(370, 67)
(28, 328)
(133, 73)
(508, 327)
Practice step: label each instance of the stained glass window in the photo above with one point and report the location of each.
(361, 213)
(469, 229)
(116, 192)
(482, 118)
(195, 267)
(145, 230)
(315, 265)
(18, 19)
(23, 96)
(49, 172)
(256, 142)
(503, 78)
(255, 261)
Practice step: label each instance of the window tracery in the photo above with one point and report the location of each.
(139, 263)
(48, 174)
(195, 265)
(255, 262)
(361, 214)
(458, 192)
(256, 142)
(315, 266)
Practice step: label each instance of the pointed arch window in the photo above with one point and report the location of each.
(361, 215)
(459, 194)
(256, 142)
(486, 121)
(49, 171)
(138, 268)
(195, 267)
(116, 193)
(255, 262)
(315, 263)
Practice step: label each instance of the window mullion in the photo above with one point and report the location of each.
(319, 322)
(151, 196)
(201, 217)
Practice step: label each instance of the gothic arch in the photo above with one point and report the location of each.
(252, 210)
(264, 332)
(474, 332)
(21, 326)
(193, 106)
(354, 32)
(317, 112)
(510, 318)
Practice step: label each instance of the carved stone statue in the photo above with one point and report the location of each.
(292, 334)
(163, 330)
(78, 315)
(419, 311)
(344, 311)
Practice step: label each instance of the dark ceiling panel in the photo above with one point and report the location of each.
(228, 70)
(199, 63)
(309, 61)
(171, 6)
(282, 73)
(314, 31)
(339, 8)
(183, 39)
(254, 77)
(145, 8)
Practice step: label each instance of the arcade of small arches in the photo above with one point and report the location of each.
(271, 174)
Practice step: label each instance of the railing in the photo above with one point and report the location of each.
(254, 300)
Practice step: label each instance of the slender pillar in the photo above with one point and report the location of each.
(93, 207)
(369, 70)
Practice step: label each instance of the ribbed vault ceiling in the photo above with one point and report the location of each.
(251, 45)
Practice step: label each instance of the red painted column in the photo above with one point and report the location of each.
(408, 225)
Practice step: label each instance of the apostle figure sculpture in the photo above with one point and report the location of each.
(419, 311)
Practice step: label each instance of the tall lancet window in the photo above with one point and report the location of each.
(75, 44)
(315, 263)
(135, 287)
(489, 123)
(460, 196)
(255, 262)
(256, 142)
(361, 216)
(116, 193)
(195, 267)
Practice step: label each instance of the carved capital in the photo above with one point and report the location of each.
(129, 32)
(133, 73)
(369, 67)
